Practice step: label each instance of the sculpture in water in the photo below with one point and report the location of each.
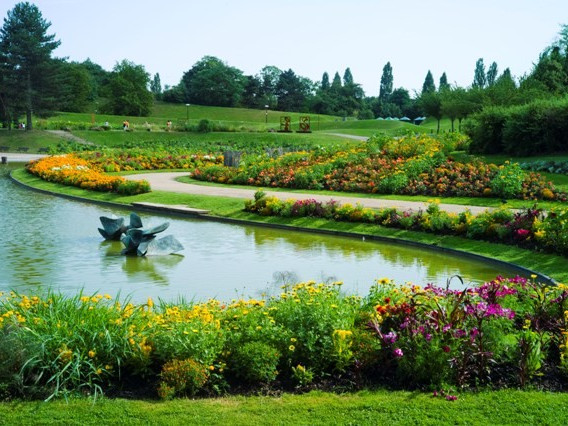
(136, 240)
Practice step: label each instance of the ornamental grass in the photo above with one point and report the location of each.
(507, 332)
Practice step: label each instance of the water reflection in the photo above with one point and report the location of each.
(48, 242)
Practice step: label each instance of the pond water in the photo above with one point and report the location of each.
(50, 242)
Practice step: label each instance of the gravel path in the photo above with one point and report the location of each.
(167, 182)
(69, 136)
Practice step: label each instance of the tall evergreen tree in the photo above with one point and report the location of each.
(325, 81)
(428, 85)
(479, 78)
(336, 83)
(386, 83)
(444, 85)
(25, 55)
(492, 74)
(347, 77)
(156, 86)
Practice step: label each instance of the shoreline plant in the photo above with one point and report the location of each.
(530, 228)
(504, 333)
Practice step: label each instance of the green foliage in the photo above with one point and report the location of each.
(133, 187)
(301, 375)
(479, 77)
(212, 82)
(386, 83)
(254, 362)
(25, 62)
(538, 127)
(127, 90)
(508, 181)
(428, 86)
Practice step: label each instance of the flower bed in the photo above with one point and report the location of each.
(410, 165)
(136, 159)
(507, 332)
(74, 171)
(528, 229)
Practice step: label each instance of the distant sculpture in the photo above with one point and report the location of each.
(141, 242)
(114, 227)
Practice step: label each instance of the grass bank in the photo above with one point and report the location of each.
(369, 407)
(547, 264)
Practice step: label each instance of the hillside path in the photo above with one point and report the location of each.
(70, 137)
(166, 182)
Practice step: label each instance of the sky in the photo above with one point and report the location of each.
(310, 36)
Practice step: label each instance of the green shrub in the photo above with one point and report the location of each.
(182, 377)
(133, 187)
(255, 362)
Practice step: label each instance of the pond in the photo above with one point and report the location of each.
(50, 242)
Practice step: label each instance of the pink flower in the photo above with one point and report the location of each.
(398, 353)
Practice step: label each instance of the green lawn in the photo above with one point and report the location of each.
(362, 408)
(33, 140)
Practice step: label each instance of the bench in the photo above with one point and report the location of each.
(23, 149)
(4, 148)
(43, 150)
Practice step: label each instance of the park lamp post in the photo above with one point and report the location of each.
(186, 112)
(266, 115)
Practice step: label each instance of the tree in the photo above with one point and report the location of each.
(156, 86)
(212, 82)
(492, 74)
(347, 77)
(25, 55)
(386, 83)
(431, 103)
(290, 91)
(336, 83)
(324, 82)
(252, 93)
(128, 90)
(479, 78)
(74, 86)
(443, 86)
(270, 76)
(428, 85)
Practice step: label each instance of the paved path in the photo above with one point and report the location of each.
(167, 182)
(343, 135)
(18, 157)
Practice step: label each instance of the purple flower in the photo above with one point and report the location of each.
(451, 397)
(446, 328)
(428, 337)
(398, 353)
(390, 338)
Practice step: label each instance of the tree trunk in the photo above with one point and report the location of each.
(438, 129)
(453, 119)
(29, 104)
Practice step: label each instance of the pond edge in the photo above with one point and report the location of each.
(162, 209)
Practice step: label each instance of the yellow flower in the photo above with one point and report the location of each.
(292, 348)
(293, 339)
(150, 303)
(92, 354)
(384, 281)
(211, 367)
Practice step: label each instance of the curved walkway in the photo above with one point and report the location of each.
(166, 182)
(18, 157)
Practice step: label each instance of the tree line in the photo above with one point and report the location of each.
(32, 81)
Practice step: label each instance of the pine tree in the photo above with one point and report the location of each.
(479, 79)
(336, 83)
(428, 85)
(386, 83)
(347, 77)
(25, 55)
(443, 83)
(325, 81)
